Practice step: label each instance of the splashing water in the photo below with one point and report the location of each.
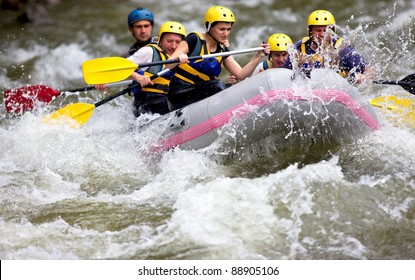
(92, 193)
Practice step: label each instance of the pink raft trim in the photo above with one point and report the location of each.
(327, 95)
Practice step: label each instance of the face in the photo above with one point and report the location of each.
(169, 42)
(318, 31)
(221, 31)
(141, 30)
(278, 58)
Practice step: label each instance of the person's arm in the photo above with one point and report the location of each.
(143, 55)
(369, 74)
(358, 68)
(241, 73)
(259, 68)
(181, 53)
(183, 49)
(231, 80)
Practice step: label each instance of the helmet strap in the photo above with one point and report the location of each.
(211, 36)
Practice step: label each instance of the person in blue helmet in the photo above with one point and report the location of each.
(151, 97)
(323, 48)
(140, 24)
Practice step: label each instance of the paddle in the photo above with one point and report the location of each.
(408, 83)
(24, 98)
(391, 102)
(402, 108)
(111, 69)
(78, 114)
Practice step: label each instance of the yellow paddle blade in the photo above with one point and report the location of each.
(402, 108)
(107, 70)
(75, 115)
(391, 102)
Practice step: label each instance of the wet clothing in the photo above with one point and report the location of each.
(198, 79)
(152, 98)
(347, 61)
(149, 103)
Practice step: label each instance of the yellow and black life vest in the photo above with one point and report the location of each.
(317, 57)
(161, 84)
(203, 69)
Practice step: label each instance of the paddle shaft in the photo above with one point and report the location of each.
(177, 60)
(169, 61)
(122, 83)
(113, 69)
(408, 83)
(408, 86)
(386, 82)
(111, 97)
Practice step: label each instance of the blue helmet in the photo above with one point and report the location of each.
(140, 14)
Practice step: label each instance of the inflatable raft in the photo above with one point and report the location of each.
(293, 111)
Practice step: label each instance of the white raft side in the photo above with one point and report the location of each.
(324, 109)
(249, 88)
(195, 126)
(329, 79)
(223, 101)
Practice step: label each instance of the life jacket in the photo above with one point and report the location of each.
(318, 58)
(138, 45)
(266, 64)
(202, 69)
(161, 84)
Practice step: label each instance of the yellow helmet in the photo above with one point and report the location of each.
(321, 17)
(279, 42)
(218, 13)
(171, 27)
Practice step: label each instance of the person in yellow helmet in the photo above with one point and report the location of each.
(279, 43)
(196, 80)
(323, 48)
(151, 97)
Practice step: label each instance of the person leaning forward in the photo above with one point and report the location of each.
(322, 48)
(196, 80)
(151, 97)
(279, 44)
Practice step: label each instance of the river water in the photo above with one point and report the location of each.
(90, 194)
